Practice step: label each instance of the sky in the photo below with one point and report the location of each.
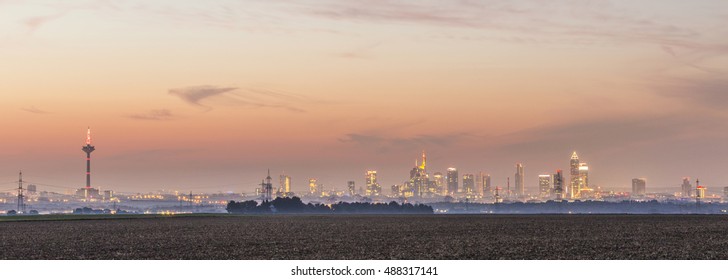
(209, 95)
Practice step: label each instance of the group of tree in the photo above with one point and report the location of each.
(295, 205)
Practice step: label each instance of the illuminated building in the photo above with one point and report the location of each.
(313, 187)
(725, 193)
(583, 178)
(396, 190)
(284, 184)
(439, 182)
(558, 181)
(700, 192)
(469, 184)
(352, 188)
(87, 193)
(575, 178)
(419, 180)
(482, 184)
(452, 180)
(487, 189)
(687, 187)
(544, 185)
(108, 194)
(88, 149)
(638, 186)
(373, 188)
(579, 177)
(519, 180)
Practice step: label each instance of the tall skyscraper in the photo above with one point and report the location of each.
(638, 186)
(88, 149)
(396, 190)
(545, 188)
(519, 180)
(313, 187)
(373, 188)
(439, 182)
(687, 187)
(700, 192)
(583, 177)
(419, 179)
(559, 185)
(452, 181)
(469, 184)
(487, 189)
(575, 178)
(285, 184)
(352, 188)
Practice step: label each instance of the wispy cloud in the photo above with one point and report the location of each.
(707, 91)
(623, 133)
(154, 115)
(34, 110)
(196, 94)
(34, 23)
(245, 97)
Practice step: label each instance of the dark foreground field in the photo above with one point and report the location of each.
(371, 237)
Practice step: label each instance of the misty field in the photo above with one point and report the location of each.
(370, 237)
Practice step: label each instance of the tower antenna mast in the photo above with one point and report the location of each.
(21, 197)
(88, 149)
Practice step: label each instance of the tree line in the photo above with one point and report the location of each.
(295, 205)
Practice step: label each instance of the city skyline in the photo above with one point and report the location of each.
(329, 90)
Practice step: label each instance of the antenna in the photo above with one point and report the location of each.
(88, 136)
(697, 193)
(508, 194)
(88, 149)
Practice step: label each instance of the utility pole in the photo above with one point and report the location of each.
(697, 194)
(21, 197)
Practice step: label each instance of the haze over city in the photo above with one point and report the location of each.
(190, 95)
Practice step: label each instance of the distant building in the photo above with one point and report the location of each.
(469, 184)
(488, 186)
(32, 189)
(88, 193)
(313, 187)
(108, 194)
(482, 183)
(584, 177)
(439, 182)
(544, 185)
(700, 192)
(352, 188)
(419, 179)
(558, 182)
(452, 180)
(638, 186)
(687, 187)
(520, 188)
(285, 184)
(396, 190)
(575, 178)
(373, 188)
(725, 193)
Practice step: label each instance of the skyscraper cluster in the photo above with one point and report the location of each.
(579, 178)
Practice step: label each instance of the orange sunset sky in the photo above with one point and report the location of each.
(207, 95)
